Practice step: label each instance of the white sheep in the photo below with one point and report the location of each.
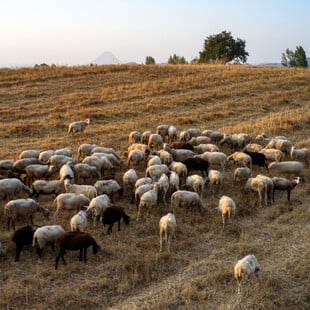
(208, 147)
(165, 157)
(167, 230)
(29, 154)
(35, 172)
(241, 159)
(85, 150)
(172, 133)
(178, 154)
(142, 181)
(78, 126)
(60, 160)
(269, 186)
(163, 130)
(283, 184)
(174, 182)
(25, 208)
(252, 147)
(295, 168)
(139, 191)
(186, 199)
(66, 171)
(244, 268)
(102, 164)
(300, 155)
(180, 169)
(134, 137)
(217, 159)
(258, 185)
(88, 190)
(135, 157)
(214, 135)
(147, 201)
(273, 154)
(215, 180)
(163, 187)
(236, 141)
(46, 235)
(107, 150)
(78, 222)
(42, 187)
(70, 201)
(194, 132)
(227, 208)
(108, 187)
(139, 146)
(44, 156)
(85, 172)
(279, 144)
(7, 164)
(153, 160)
(199, 140)
(242, 174)
(195, 183)
(20, 165)
(145, 137)
(65, 151)
(155, 171)
(11, 187)
(129, 180)
(115, 161)
(155, 141)
(97, 205)
(185, 136)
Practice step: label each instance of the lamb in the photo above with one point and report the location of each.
(283, 184)
(78, 126)
(129, 179)
(73, 241)
(167, 229)
(196, 163)
(215, 180)
(35, 172)
(70, 201)
(155, 171)
(217, 159)
(195, 183)
(135, 157)
(25, 208)
(178, 154)
(245, 267)
(60, 160)
(85, 150)
(236, 141)
(147, 201)
(295, 168)
(226, 208)
(201, 148)
(23, 236)
(88, 190)
(214, 135)
(241, 159)
(46, 235)
(44, 156)
(78, 222)
(12, 187)
(134, 137)
(163, 130)
(273, 154)
(181, 145)
(85, 172)
(29, 154)
(172, 133)
(101, 163)
(258, 185)
(186, 199)
(42, 187)
(300, 155)
(140, 146)
(242, 174)
(66, 171)
(113, 214)
(155, 141)
(97, 206)
(108, 187)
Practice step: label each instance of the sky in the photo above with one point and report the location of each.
(75, 32)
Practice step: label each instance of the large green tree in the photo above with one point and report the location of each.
(294, 59)
(223, 48)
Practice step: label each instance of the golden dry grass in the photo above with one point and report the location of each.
(36, 106)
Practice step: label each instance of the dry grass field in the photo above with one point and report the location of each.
(36, 106)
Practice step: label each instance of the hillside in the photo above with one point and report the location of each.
(36, 106)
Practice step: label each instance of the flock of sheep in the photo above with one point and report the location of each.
(179, 168)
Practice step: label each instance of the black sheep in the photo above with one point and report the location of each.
(196, 163)
(113, 214)
(258, 159)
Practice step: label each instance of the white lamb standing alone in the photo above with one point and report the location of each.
(226, 208)
(244, 267)
(167, 229)
(78, 126)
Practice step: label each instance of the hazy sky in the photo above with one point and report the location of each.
(75, 32)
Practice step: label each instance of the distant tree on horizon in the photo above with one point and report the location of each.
(294, 59)
(223, 48)
(176, 60)
(149, 60)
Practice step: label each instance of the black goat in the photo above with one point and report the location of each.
(113, 214)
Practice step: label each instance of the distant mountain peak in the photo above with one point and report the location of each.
(106, 58)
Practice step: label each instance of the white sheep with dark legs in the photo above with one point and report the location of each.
(78, 126)
(283, 184)
(97, 205)
(167, 230)
(244, 268)
(52, 187)
(36, 172)
(78, 222)
(178, 154)
(215, 159)
(108, 187)
(227, 208)
(147, 201)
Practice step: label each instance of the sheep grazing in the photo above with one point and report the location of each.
(167, 229)
(300, 155)
(129, 180)
(36, 172)
(25, 208)
(147, 201)
(269, 186)
(199, 140)
(163, 131)
(244, 268)
(195, 183)
(145, 137)
(88, 190)
(12, 187)
(108, 187)
(208, 147)
(23, 236)
(85, 150)
(97, 205)
(165, 157)
(172, 133)
(283, 184)
(29, 154)
(185, 136)
(215, 159)
(236, 141)
(20, 165)
(139, 191)
(106, 150)
(46, 235)
(194, 132)
(66, 171)
(78, 126)
(180, 169)
(7, 164)
(196, 163)
(181, 145)
(155, 141)
(295, 168)
(178, 154)
(186, 199)
(41, 187)
(215, 180)
(241, 159)
(163, 187)
(140, 146)
(102, 163)
(155, 171)
(85, 172)
(134, 137)
(66, 151)
(226, 208)
(113, 214)
(174, 182)
(273, 154)
(279, 144)
(70, 201)
(59, 160)
(78, 222)
(252, 147)
(73, 241)
(214, 135)
(258, 185)
(242, 174)
(135, 157)
(153, 160)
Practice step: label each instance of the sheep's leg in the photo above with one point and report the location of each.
(81, 255)
(85, 251)
(61, 254)
(223, 218)
(8, 222)
(169, 243)
(39, 252)
(160, 242)
(109, 229)
(119, 225)
(260, 199)
(289, 196)
(18, 250)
